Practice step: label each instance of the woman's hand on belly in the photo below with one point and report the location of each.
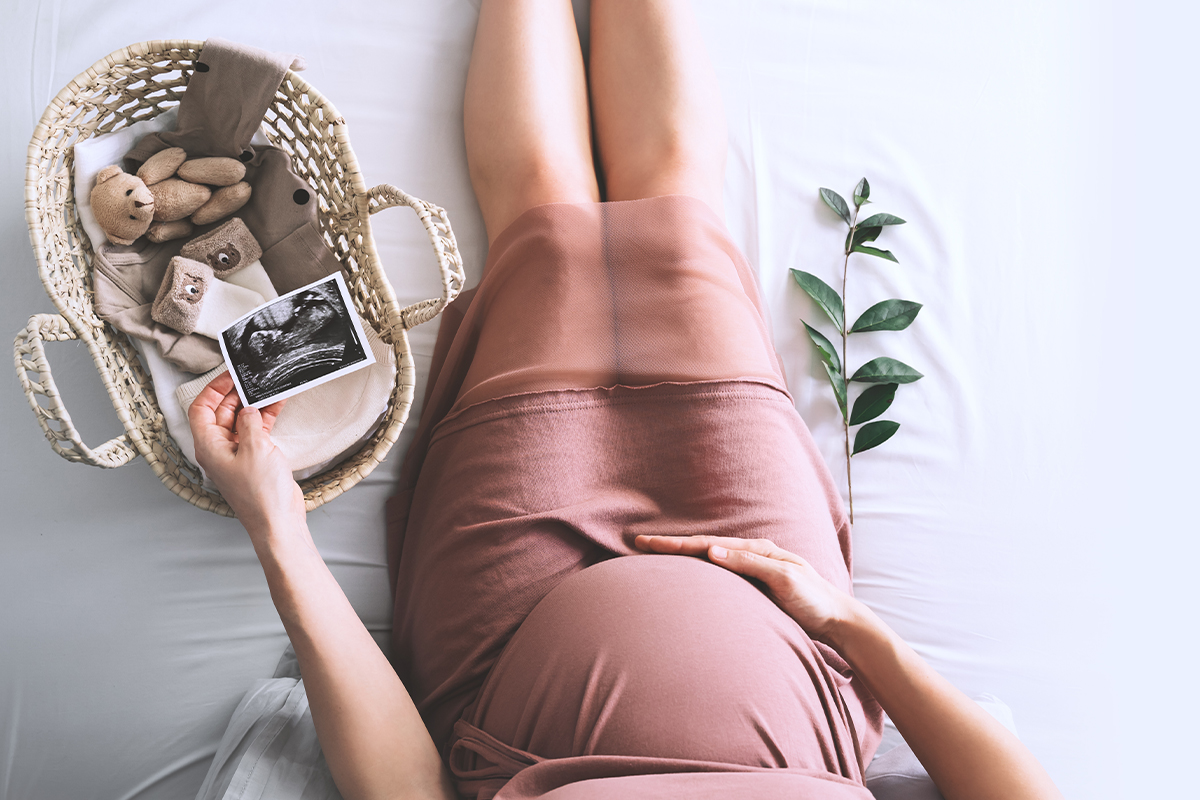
(817, 606)
(969, 755)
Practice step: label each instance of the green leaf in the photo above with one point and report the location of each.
(862, 192)
(881, 219)
(835, 201)
(825, 347)
(824, 295)
(886, 370)
(839, 386)
(873, 402)
(890, 315)
(874, 434)
(874, 251)
(862, 234)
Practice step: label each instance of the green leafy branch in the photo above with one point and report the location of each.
(886, 374)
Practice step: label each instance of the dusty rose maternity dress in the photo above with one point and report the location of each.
(611, 375)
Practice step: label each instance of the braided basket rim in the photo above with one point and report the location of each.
(131, 392)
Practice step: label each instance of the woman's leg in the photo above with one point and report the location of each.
(526, 111)
(606, 294)
(660, 128)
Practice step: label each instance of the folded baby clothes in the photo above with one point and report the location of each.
(127, 279)
(219, 115)
(124, 291)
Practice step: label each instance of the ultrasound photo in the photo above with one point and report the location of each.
(299, 341)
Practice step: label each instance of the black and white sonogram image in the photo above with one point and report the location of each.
(303, 339)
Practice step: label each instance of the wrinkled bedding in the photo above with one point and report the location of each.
(134, 623)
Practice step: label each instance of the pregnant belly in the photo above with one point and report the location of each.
(670, 657)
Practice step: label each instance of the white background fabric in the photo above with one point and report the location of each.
(1026, 529)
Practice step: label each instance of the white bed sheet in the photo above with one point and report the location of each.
(1023, 529)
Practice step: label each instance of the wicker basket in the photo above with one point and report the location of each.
(138, 83)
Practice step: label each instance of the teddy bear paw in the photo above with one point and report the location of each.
(162, 165)
(215, 171)
(175, 199)
(224, 202)
(160, 232)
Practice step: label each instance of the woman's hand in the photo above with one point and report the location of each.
(797, 588)
(235, 449)
(372, 735)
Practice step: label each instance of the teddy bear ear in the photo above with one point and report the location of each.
(107, 173)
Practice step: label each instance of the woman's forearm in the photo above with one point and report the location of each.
(967, 753)
(373, 738)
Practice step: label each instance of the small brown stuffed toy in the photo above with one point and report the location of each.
(123, 205)
(167, 191)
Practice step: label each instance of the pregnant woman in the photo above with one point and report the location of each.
(621, 568)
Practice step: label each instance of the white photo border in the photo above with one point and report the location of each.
(365, 346)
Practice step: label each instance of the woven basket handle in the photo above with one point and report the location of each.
(30, 361)
(437, 225)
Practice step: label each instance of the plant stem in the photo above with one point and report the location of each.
(845, 382)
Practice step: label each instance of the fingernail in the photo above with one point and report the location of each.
(718, 552)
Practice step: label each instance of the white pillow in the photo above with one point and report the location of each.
(270, 749)
(896, 774)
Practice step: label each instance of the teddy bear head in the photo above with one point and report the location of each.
(123, 205)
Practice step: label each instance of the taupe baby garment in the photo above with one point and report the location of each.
(225, 101)
(126, 280)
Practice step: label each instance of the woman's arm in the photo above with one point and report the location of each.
(967, 753)
(373, 738)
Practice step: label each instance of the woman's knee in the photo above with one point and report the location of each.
(506, 190)
(691, 165)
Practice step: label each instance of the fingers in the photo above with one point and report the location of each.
(667, 544)
(701, 546)
(748, 563)
(204, 408)
(252, 432)
(211, 396)
(752, 558)
(215, 405)
(270, 414)
(226, 412)
(688, 545)
(211, 419)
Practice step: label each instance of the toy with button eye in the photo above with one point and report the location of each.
(233, 254)
(192, 299)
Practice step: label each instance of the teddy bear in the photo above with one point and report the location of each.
(168, 196)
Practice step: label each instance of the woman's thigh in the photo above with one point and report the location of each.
(525, 111)
(660, 126)
(616, 294)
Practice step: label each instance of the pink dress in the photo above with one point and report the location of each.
(611, 375)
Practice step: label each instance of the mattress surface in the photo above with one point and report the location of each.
(1025, 529)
